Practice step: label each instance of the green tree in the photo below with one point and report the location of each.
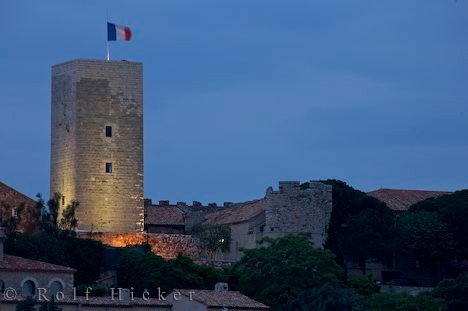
(286, 267)
(425, 237)
(68, 221)
(360, 226)
(324, 298)
(455, 292)
(399, 302)
(364, 285)
(149, 271)
(82, 254)
(213, 239)
(453, 211)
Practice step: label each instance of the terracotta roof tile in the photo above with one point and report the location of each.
(12, 197)
(239, 212)
(14, 263)
(227, 299)
(164, 215)
(401, 200)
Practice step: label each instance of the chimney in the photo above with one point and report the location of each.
(221, 287)
(2, 240)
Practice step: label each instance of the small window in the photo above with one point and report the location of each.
(2, 286)
(29, 288)
(14, 212)
(55, 287)
(63, 200)
(108, 167)
(108, 131)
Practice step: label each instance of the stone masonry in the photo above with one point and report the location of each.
(104, 174)
(294, 209)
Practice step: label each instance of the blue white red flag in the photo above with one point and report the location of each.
(118, 33)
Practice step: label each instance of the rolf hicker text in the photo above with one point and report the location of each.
(119, 294)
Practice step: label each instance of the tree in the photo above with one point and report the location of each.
(286, 267)
(325, 298)
(455, 292)
(360, 225)
(368, 234)
(364, 285)
(425, 237)
(69, 221)
(149, 271)
(213, 239)
(399, 302)
(453, 211)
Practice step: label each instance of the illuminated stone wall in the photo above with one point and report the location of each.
(87, 96)
(167, 246)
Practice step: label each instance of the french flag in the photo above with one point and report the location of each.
(118, 33)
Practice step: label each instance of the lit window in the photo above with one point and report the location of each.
(108, 167)
(108, 131)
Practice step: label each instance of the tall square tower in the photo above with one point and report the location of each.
(97, 142)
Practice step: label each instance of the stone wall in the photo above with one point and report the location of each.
(87, 96)
(167, 246)
(294, 209)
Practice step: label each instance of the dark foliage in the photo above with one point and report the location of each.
(455, 292)
(149, 271)
(453, 211)
(82, 254)
(360, 226)
(283, 269)
(325, 298)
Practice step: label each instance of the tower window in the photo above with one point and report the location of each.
(108, 167)
(108, 131)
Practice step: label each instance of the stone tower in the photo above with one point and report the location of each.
(97, 142)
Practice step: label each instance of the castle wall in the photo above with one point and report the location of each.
(87, 96)
(167, 246)
(292, 210)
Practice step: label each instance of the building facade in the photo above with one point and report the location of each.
(292, 209)
(97, 142)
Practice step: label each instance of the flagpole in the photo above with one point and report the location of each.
(107, 39)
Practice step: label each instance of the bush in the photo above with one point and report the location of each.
(84, 255)
(149, 271)
(325, 298)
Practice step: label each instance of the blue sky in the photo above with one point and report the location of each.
(239, 94)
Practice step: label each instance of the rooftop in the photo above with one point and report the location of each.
(401, 200)
(237, 213)
(227, 299)
(13, 197)
(14, 263)
(106, 302)
(164, 215)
